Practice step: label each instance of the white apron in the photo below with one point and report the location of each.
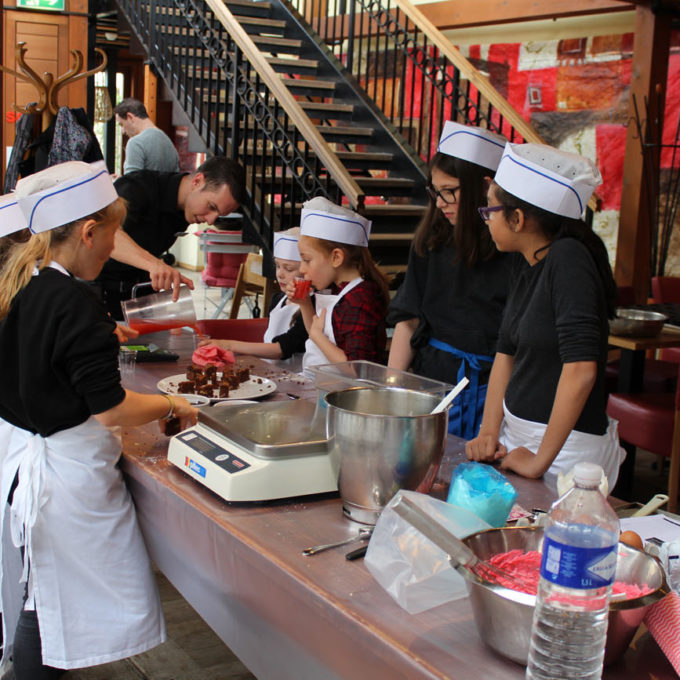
(90, 580)
(604, 450)
(280, 319)
(313, 355)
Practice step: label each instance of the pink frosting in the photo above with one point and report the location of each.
(526, 568)
(212, 354)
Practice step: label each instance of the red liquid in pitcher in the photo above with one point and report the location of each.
(143, 326)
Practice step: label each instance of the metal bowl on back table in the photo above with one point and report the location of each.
(637, 323)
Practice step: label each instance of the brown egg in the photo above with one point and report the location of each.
(632, 539)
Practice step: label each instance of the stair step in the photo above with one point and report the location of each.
(287, 64)
(391, 238)
(347, 132)
(308, 85)
(248, 7)
(269, 40)
(292, 66)
(371, 185)
(387, 186)
(327, 107)
(352, 160)
(264, 22)
(330, 110)
(394, 210)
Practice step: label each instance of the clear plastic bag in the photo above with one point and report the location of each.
(411, 568)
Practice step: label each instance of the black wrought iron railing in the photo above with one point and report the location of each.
(240, 108)
(410, 70)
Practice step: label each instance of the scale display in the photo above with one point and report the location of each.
(207, 448)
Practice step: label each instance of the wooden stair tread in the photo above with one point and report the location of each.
(273, 40)
(345, 130)
(248, 3)
(306, 83)
(406, 236)
(257, 21)
(365, 156)
(187, 51)
(386, 182)
(292, 62)
(330, 107)
(387, 209)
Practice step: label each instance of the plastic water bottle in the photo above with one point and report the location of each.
(569, 628)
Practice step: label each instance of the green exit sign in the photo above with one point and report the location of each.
(53, 5)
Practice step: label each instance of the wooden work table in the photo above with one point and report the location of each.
(292, 617)
(632, 363)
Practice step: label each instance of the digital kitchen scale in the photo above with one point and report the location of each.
(257, 452)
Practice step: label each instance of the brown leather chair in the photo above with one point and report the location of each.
(650, 421)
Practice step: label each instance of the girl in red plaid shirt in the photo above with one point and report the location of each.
(347, 320)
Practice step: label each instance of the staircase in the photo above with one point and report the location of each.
(305, 126)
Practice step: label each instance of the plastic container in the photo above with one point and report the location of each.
(341, 376)
(569, 627)
(157, 312)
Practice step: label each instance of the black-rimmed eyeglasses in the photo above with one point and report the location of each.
(447, 195)
(486, 210)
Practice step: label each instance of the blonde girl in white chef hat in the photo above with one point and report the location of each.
(546, 406)
(347, 320)
(285, 337)
(72, 521)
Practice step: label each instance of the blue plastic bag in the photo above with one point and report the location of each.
(483, 490)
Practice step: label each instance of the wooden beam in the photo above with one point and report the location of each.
(150, 92)
(470, 13)
(649, 70)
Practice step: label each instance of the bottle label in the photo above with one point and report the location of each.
(575, 567)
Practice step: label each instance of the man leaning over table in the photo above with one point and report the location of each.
(161, 204)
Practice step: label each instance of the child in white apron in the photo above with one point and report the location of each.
(546, 403)
(87, 594)
(285, 337)
(347, 320)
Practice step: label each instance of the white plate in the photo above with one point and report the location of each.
(254, 388)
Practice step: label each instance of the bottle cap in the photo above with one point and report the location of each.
(587, 474)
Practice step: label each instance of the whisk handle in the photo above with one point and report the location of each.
(459, 554)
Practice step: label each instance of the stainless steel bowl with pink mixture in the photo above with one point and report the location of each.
(503, 616)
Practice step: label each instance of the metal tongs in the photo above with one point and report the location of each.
(462, 559)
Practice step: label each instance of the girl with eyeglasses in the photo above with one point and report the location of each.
(448, 310)
(546, 407)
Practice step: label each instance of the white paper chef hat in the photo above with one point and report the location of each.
(286, 244)
(323, 219)
(59, 195)
(557, 181)
(11, 216)
(473, 144)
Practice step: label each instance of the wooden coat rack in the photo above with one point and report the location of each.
(48, 86)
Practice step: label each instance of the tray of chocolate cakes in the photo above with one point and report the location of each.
(218, 384)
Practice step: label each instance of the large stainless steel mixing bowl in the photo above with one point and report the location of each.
(503, 617)
(385, 439)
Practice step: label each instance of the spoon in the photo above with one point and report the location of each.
(450, 396)
(363, 535)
